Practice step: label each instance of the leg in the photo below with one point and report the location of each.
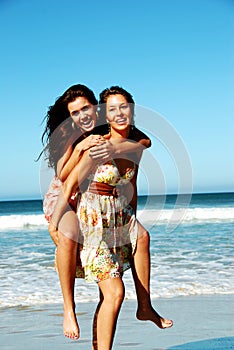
(66, 263)
(106, 315)
(94, 342)
(141, 276)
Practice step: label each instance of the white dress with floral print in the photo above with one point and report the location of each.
(108, 227)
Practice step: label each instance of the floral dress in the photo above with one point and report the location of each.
(108, 227)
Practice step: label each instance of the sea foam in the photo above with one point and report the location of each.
(164, 216)
(22, 221)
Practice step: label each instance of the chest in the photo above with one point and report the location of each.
(115, 172)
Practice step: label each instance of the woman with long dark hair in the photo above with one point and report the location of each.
(109, 231)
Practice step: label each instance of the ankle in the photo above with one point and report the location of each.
(145, 305)
(69, 308)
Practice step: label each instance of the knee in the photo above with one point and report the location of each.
(143, 236)
(116, 296)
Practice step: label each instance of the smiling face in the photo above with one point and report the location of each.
(118, 113)
(83, 113)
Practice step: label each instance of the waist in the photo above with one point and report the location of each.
(103, 189)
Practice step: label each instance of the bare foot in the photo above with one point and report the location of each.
(151, 315)
(70, 325)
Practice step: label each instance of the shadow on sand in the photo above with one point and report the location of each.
(225, 343)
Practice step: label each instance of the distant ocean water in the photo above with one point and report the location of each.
(191, 250)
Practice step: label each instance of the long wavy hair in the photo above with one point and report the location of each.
(59, 133)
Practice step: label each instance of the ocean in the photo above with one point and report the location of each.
(191, 250)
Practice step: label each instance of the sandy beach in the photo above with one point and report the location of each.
(200, 322)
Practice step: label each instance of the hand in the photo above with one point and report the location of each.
(90, 141)
(102, 152)
(53, 233)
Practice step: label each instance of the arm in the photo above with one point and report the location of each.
(118, 147)
(130, 190)
(64, 167)
(137, 144)
(63, 161)
(133, 183)
(73, 181)
(72, 157)
(141, 138)
(53, 231)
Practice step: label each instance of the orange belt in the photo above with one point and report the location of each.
(103, 189)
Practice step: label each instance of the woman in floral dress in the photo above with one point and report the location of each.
(108, 226)
(68, 125)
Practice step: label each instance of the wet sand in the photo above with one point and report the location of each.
(200, 322)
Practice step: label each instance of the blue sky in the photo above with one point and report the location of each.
(174, 56)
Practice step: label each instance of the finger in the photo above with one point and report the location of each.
(98, 142)
(98, 153)
(97, 138)
(97, 149)
(102, 156)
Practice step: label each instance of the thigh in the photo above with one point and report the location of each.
(69, 226)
